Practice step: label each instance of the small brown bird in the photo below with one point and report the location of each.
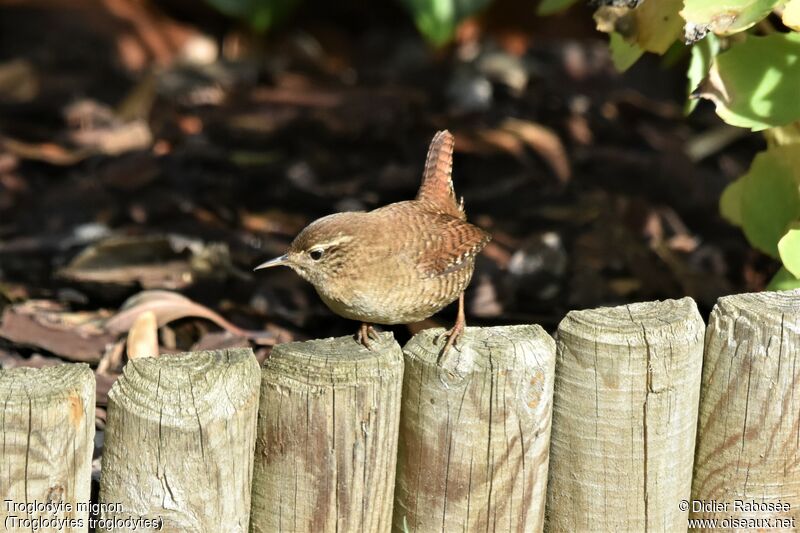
(397, 264)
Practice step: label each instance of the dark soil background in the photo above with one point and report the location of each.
(158, 146)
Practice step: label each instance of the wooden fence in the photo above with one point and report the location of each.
(636, 418)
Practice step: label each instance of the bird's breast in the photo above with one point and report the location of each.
(393, 295)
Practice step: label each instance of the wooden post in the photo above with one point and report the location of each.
(327, 437)
(474, 436)
(624, 417)
(179, 442)
(47, 427)
(748, 438)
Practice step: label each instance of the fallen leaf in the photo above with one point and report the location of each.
(10, 360)
(168, 306)
(77, 336)
(154, 261)
(48, 152)
(220, 340)
(544, 142)
(111, 362)
(143, 336)
(114, 140)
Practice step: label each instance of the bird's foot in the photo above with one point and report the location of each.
(452, 335)
(365, 333)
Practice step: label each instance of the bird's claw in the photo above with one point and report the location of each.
(453, 335)
(364, 334)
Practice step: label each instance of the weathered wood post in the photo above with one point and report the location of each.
(47, 427)
(624, 417)
(179, 442)
(748, 438)
(474, 435)
(327, 437)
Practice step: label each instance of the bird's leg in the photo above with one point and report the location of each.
(458, 328)
(365, 333)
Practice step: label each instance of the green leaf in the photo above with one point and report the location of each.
(437, 20)
(791, 14)
(548, 7)
(755, 84)
(703, 54)
(723, 18)
(770, 197)
(789, 250)
(652, 26)
(789, 134)
(675, 54)
(783, 281)
(623, 54)
(258, 14)
(730, 203)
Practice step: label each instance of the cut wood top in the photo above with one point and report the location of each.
(768, 305)
(478, 349)
(635, 324)
(23, 385)
(334, 361)
(174, 388)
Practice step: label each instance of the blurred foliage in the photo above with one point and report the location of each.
(623, 53)
(791, 14)
(789, 248)
(258, 14)
(725, 18)
(548, 7)
(703, 54)
(749, 70)
(766, 200)
(437, 20)
(652, 26)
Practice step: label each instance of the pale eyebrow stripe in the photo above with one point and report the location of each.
(339, 240)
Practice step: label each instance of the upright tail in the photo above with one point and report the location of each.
(436, 190)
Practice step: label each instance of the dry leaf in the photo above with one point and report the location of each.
(168, 306)
(143, 336)
(156, 261)
(47, 325)
(544, 142)
(48, 152)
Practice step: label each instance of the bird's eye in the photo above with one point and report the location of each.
(316, 255)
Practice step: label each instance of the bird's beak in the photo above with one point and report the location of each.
(278, 261)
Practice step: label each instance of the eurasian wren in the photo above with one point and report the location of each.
(397, 264)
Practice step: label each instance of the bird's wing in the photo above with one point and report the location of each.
(436, 191)
(450, 245)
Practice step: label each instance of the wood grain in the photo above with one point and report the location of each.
(47, 427)
(748, 445)
(180, 438)
(327, 437)
(474, 436)
(624, 417)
